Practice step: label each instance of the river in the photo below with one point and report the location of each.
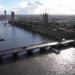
(42, 64)
(16, 37)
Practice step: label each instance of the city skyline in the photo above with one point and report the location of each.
(59, 7)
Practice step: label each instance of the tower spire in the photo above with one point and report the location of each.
(45, 19)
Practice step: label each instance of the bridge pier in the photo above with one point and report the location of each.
(43, 49)
(7, 58)
(30, 52)
(36, 51)
(15, 55)
(55, 50)
(22, 54)
(72, 44)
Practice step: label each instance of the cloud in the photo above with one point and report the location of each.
(28, 7)
(2, 7)
(39, 6)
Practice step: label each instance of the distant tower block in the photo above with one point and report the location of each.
(12, 15)
(45, 19)
(5, 14)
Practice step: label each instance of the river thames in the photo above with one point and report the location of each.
(42, 64)
(15, 37)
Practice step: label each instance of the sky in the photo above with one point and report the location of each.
(58, 7)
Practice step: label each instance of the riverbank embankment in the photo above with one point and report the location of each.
(50, 31)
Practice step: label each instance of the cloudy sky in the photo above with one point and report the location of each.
(38, 6)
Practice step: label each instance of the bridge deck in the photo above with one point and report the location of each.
(32, 47)
(48, 44)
